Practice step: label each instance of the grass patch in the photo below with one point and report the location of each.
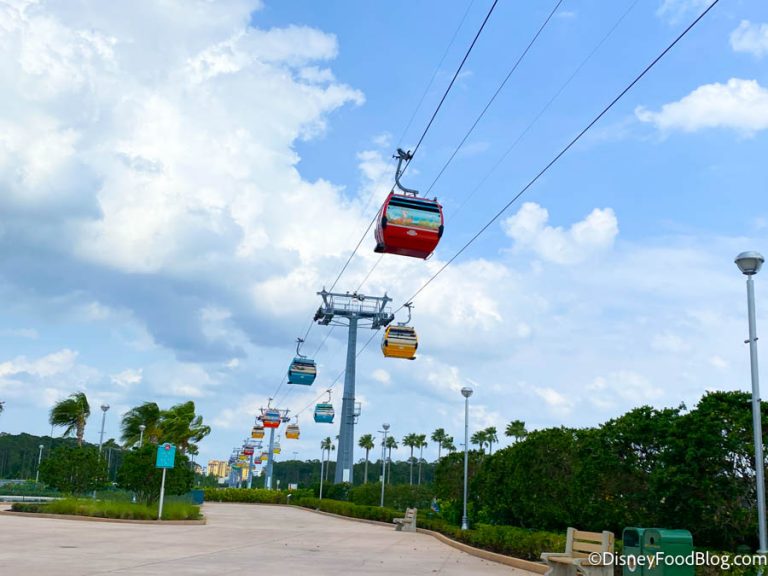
(111, 509)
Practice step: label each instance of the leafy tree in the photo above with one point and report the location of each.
(421, 441)
(516, 429)
(480, 438)
(439, 437)
(411, 441)
(327, 444)
(390, 444)
(448, 444)
(178, 425)
(491, 437)
(367, 443)
(146, 414)
(74, 469)
(72, 414)
(181, 426)
(138, 474)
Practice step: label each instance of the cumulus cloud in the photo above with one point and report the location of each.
(529, 229)
(133, 167)
(740, 105)
(751, 38)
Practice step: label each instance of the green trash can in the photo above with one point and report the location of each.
(672, 551)
(632, 539)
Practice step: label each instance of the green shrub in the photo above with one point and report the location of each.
(110, 509)
(253, 495)
(349, 509)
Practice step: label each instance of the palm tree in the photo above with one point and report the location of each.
(448, 444)
(422, 443)
(147, 414)
(479, 438)
(438, 437)
(411, 441)
(327, 444)
(391, 443)
(181, 426)
(491, 437)
(71, 413)
(366, 443)
(516, 429)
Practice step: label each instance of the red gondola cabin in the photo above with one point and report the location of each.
(409, 226)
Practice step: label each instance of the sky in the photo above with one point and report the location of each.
(179, 179)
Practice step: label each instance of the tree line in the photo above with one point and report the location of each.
(673, 467)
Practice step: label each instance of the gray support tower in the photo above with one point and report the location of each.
(355, 308)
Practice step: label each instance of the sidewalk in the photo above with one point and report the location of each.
(273, 540)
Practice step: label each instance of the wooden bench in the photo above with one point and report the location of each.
(408, 523)
(576, 560)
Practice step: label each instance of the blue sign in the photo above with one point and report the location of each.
(166, 454)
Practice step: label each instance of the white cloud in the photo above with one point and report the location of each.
(127, 378)
(49, 365)
(674, 10)
(740, 105)
(751, 38)
(557, 403)
(718, 362)
(528, 228)
(669, 342)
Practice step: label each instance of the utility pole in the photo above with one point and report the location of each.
(355, 308)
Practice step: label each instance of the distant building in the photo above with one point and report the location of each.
(218, 468)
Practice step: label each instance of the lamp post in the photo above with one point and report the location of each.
(104, 408)
(39, 459)
(466, 392)
(142, 427)
(383, 461)
(749, 263)
(322, 467)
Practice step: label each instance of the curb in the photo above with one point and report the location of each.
(97, 519)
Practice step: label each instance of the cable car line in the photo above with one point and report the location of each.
(421, 139)
(562, 152)
(423, 134)
(541, 112)
(337, 377)
(453, 80)
(495, 94)
(434, 74)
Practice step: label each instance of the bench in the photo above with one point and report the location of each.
(408, 523)
(576, 561)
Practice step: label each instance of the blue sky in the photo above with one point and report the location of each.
(178, 180)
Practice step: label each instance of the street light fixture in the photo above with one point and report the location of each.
(39, 459)
(104, 408)
(383, 460)
(749, 263)
(142, 427)
(466, 392)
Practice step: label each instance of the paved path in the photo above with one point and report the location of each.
(238, 539)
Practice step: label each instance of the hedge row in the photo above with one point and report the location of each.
(349, 509)
(252, 495)
(107, 509)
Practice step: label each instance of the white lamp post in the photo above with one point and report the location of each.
(104, 408)
(749, 263)
(466, 392)
(383, 461)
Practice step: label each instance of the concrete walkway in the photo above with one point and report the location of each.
(238, 539)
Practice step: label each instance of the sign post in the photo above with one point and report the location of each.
(166, 455)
